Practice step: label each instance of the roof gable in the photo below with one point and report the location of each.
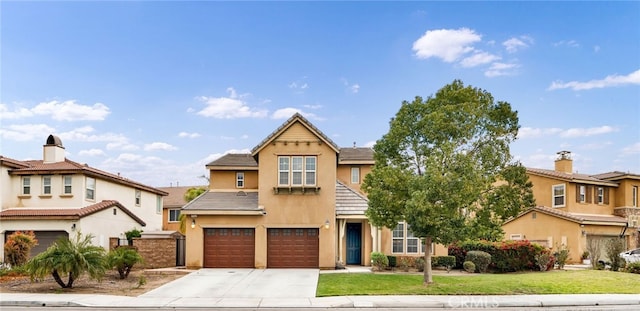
(296, 118)
(234, 160)
(574, 217)
(575, 178)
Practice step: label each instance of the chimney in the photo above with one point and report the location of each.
(53, 150)
(564, 163)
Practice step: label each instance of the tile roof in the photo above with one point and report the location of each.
(616, 175)
(356, 155)
(175, 197)
(224, 201)
(13, 163)
(69, 167)
(575, 217)
(65, 213)
(297, 117)
(349, 201)
(235, 160)
(576, 178)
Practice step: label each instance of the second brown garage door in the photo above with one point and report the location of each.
(292, 248)
(229, 248)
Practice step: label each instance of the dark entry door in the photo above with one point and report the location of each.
(354, 244)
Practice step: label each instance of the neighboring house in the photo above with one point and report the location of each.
(294, 201)
(172, 204)
(56, 197)
(575, 209)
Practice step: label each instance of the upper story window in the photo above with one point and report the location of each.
(297, 170)
(355, 175)
(46, 184)
(239, 179)
(66, 184)
(174, 215)
(600, 195)
(634, 196)
(138, 197)
(26, 185)
(90, 190)
(558, 193)
(582, 193)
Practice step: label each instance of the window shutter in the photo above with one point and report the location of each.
(589, 194)
(577, 192)
(606, 195)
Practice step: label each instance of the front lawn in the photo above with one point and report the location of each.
(551, 282)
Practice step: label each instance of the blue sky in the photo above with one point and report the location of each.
(155, 90)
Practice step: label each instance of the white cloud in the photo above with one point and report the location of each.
(529, 132)
(569, 43)
(70, 111)
(631, 149)
(91, 152)
(286, 113)
(501, 69)
(609, 81)
(26, 132)
(478, 58)
(595, 146)
(446, 44)
(312, 106)
(188, 135)
(355, 88)
(585, 132)
(17, 113)
(122, 145)
(231, 107)
(514, 44)
(159, 146)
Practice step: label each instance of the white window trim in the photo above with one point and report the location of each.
(46, 185)
(240, 180)
(65, 185)
(583, 193)
(87, 188)
(634, 196)
(138, 197)
(407, 236)
(355, 175)
(26, 184)
(158, 204)
(564, 195)
(169, 215)
(600, 195)
(303, 172)
(515, 237)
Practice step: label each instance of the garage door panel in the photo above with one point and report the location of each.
(292, 248)
(229, 248)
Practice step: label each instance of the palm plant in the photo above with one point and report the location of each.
(70, 257)
(123, 259)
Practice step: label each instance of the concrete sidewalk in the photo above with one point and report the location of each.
(106, 301)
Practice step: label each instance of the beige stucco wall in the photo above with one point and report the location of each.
(624, 193)
(542, 191)
(344, 174)
(169, 226)
(227, 179)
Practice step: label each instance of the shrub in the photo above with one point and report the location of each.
(506, 256)
(123, 259)
(18, 247)
(543, 260)
(419, 263)
(133, 233)
(480, 259)
(405, 262)
(613, 249)
(469, 266)
(379, 260)
(633, 267)
(392, 261)
(561, 255)
(585, 255)
(443, 261)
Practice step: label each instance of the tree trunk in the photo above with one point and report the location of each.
(428, 273)
(71, 279)
(57, 278)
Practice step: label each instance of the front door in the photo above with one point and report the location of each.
(354, 243)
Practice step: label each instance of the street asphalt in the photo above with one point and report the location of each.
(293, 288)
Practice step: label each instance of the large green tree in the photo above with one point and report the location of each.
(69, 257)
(445, 168)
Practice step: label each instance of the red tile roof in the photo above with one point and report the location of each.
(575, 217)
(67, 166)
(65, 213)
(576, 178)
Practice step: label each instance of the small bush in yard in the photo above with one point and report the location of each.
(480, 259)
(449, 262)
(469, 266)
(419, 263)
(379, 260)
(561, 255)
(613, 249)
(392, 261)
(633, 267)
(18, 247)
(405, 262)
(123, 259)
(543, 260)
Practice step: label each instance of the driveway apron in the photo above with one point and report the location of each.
(241, 283)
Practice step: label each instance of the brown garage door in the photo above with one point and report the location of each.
(292, 248)
(229, 248)
(45, 239)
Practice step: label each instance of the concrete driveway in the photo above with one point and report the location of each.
(241, 283)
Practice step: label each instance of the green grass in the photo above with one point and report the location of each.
(551, 282)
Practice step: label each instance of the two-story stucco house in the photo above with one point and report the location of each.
(294, 201)
(56, 197)
(574, 209)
